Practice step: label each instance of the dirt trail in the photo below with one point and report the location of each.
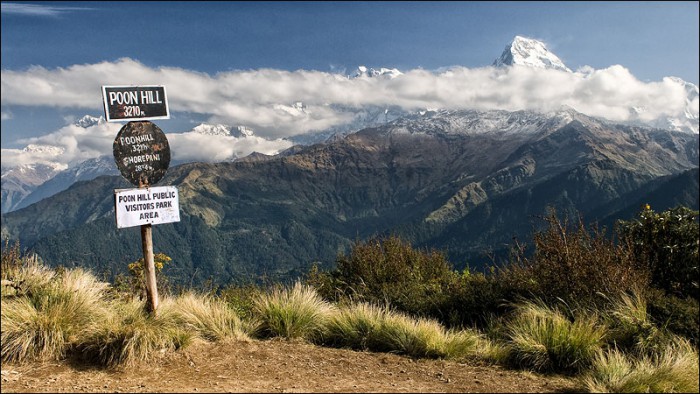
(278, 366)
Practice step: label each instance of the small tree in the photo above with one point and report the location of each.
(667, 243)
(136, 282)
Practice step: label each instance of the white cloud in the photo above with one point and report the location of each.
(264, 99)
(213, 148)
(6, 115)
(36, 9)
(73, 144)
(255, 97)
(17, 157)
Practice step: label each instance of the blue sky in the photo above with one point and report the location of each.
(206, 46)
(652, 39)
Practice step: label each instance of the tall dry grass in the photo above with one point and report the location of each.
(544, 339)
(673, 370)
(130, 335)
(368, 327)
(210, 318)
(52, 313)
(292, 313)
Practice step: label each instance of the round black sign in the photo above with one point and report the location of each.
(142, 153)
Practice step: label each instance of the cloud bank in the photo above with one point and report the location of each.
(264, 99)
(74, 144)
(257, 98)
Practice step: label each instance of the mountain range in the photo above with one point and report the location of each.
(463, 181)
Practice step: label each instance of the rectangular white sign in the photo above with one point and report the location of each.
(152, 205)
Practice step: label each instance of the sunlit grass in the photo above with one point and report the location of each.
(461, 344)
(131, 335)
(544, 339)
(210, 318)
(55, 313)
(292, 313)
(673, 370)
(25, 275)
(353, 326)
(368, 327)
(402, 334)
(630, 326)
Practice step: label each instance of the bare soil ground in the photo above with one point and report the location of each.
(277, 366)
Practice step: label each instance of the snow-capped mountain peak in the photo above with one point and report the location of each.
(88, 121)
(48, 150)
(212, 129)
(382, 72)
(223, 130)
(296, 109)
(524, 51)
(244, 131)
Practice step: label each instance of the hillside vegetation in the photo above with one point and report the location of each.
(616, 315)
(461, 182)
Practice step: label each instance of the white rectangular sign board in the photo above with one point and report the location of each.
(152, 205)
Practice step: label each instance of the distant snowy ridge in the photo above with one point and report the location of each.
(364, 72)
(472, 122)
(686, 122)
(19, 181)
(222, 130)
(213, 142)
(48, 150)
(84, 171)
(212, 129)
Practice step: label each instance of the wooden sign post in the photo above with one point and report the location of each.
(142, 154)
(145, 207)
(149, 270)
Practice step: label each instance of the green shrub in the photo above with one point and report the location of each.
(135, 283)
(673, 370)
(241, 299)
(680, 316)
(667, 243)
(544, 339)
(389, 271)
(573, 264)
(298, 312)
(473, 299)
